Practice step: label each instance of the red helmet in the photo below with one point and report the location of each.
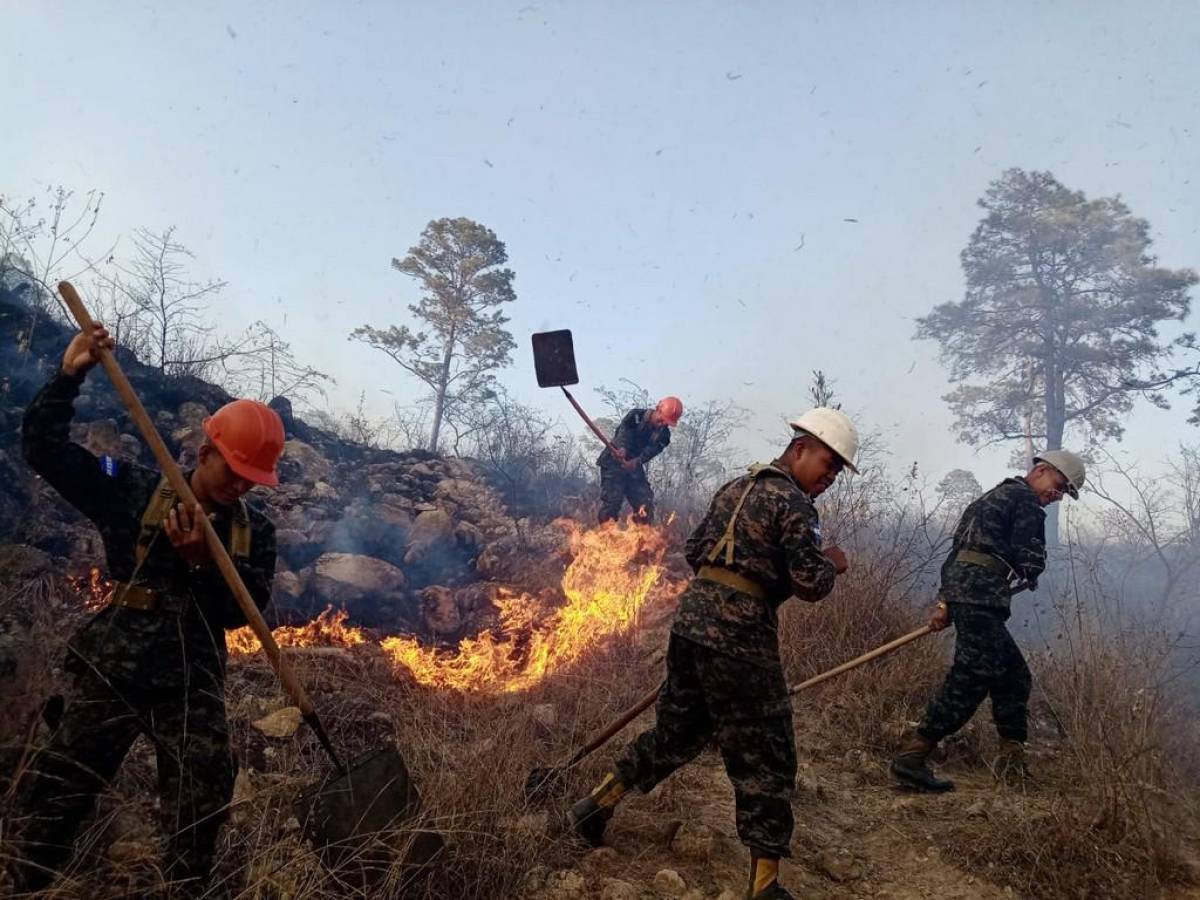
(250, 437)
(671, 409)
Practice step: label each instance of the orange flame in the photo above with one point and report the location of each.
(329, 629)
(606, 586)
(612, 574)
(93, 589)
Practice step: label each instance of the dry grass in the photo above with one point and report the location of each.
(1111, 816)
(469, 756)
(1115, 739)
(1115, 812)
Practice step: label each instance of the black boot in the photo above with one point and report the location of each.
(588, 820)
(911, 765)
(589, 817)
(764, 879)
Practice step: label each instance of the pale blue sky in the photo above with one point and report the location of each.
(652, 167)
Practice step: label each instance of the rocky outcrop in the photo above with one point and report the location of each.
(403, 540)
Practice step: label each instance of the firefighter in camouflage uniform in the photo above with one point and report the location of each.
(999, 548)
(641, 436)
(153, 661)
(758, 544)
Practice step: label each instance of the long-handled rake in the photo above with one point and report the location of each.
(542, 781)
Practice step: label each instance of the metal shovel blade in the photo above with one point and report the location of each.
(554, 358)
(355, 818)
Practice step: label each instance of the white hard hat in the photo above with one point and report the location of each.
(833, 428)
(1069, 465)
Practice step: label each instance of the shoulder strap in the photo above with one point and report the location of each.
(156, 510)
(726, 541)
(239, 532)
(159, 507)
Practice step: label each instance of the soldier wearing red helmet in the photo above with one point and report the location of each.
(153, 661)
(641, 436)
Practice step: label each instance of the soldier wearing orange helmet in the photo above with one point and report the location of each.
(153, 661)
(641, 436)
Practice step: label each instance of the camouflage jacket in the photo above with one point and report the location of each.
(1008, 524)
(638, 438)
(777, 545)
(137, 648)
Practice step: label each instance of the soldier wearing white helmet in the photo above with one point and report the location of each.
(999, 545)
(1065, 463)
(758, 544)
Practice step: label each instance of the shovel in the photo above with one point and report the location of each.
(542, 780)
(554, 364)
(354, 809)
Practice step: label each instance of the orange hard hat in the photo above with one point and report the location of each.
(250, 437)
(670, 408)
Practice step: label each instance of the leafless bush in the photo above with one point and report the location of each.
(1155, 520)
(163, 311)
(41, 243)
(537, 464)
(360, 427)
(41, 238)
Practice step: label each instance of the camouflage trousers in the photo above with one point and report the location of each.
(618, 485)
(195, 774)
(746, 707)
(987, 662)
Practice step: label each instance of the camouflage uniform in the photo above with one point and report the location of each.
(641, 441)
(1000, 536)
(724, 676)
(160, 673)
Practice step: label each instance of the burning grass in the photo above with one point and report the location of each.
(328, 629)
(1111, 816)
(606, 586)
(615, 571)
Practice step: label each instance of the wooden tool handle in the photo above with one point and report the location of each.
(865, 658)
(617, 454)
(184, 492)
(626, 717)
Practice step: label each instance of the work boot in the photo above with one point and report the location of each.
(911, 765)
(1010, 766)
(764, 879)
(589, 817)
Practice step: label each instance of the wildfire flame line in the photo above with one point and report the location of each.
(329, 629)
(612, 573)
